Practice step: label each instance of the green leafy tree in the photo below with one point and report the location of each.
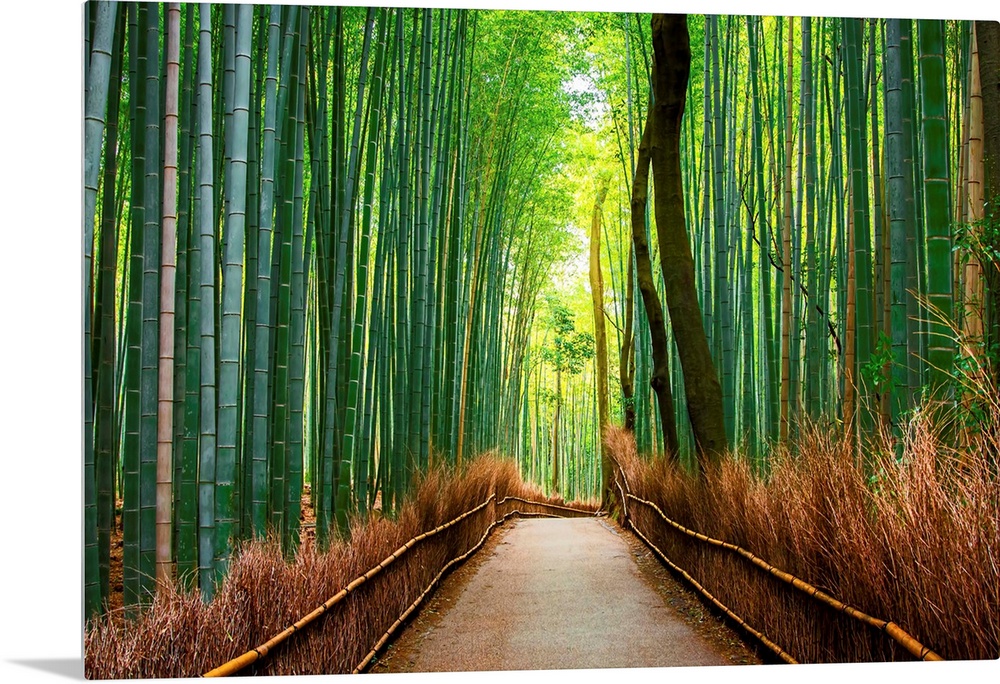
(567, 353)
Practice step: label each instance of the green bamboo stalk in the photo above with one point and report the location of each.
(882, 285)
(769, 379)
(857, 150)
(284, 242)
(227, 458)
(723, 316)
(937, 204)
(186, 346)
(917, 274)
(786, 255)
(814, 331)
(148, 399)
(261, 441)
(290, 533)
(400, 459)
(207, 536)
(421, 276)
(343, 500)
(704, 251)
(131, 374)
(245, 489)
(95, 109)
(361, 463)
(107, 421)
(899, 182)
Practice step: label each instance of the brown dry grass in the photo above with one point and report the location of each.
(913, 540)
(180, 636)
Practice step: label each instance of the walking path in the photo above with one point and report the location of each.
(555, 594)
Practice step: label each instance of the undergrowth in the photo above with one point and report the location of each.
(179, 635)
(913, 539)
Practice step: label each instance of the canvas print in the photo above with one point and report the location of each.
(446, 339)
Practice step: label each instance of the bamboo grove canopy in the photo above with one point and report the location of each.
(327, 248)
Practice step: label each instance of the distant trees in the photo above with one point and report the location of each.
(600, 329)
(566, 354)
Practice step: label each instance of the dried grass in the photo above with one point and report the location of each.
(914, 540)
(181, 636)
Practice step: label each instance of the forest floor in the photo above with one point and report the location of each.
(563, 593)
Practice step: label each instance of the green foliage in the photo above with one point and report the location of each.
(973, 404)
(570, 348)
(875, 372)
(981, 238)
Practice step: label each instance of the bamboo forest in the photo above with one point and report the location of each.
(350, 272)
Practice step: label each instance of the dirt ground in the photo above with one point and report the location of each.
(600, 630)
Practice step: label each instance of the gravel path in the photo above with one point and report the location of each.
(556, 594)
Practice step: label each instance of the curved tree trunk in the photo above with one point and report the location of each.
(660, 378)
(671, 68)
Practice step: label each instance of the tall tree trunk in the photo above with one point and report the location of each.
(660, 376)
(168, 271)
(974, 168)
(555, 435)
(937, 203)
(98, 76)
(850, 324)
(600, 332)
(988, 42)
(626, 361)
(786, 254)
(902, 222)
(207, 287)
(671, 68)
(857, 150)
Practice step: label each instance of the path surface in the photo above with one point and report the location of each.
(555, 594)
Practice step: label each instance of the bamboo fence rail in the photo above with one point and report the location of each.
(894, 631)
(433, 583)
(780, 652)
(255, 654)
(546, 505)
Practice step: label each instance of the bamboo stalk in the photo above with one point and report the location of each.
(892, 629)
(168, 271)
